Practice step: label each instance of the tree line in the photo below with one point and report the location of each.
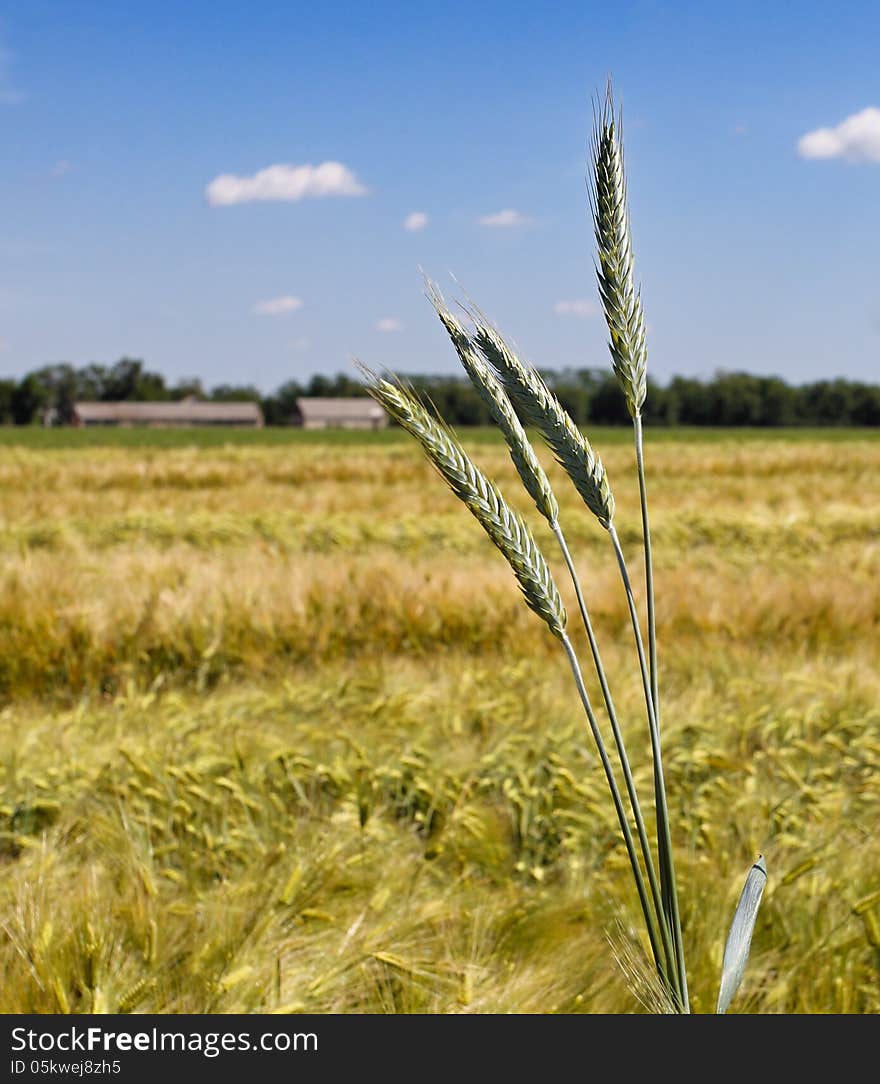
(591, 396)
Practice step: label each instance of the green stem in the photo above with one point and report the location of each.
(649, 590)
(618, 805)
(664, 838)
(649, 566)
(656, 892)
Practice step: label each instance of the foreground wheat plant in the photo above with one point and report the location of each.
(518, 396)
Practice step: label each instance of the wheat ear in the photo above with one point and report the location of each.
(503, 525)
(621, 300)
(492, 392)
(538, 406)
(623, 313)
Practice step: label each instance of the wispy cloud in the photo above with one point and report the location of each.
(61, 167)
(302, 343)
(389, 323)
(284, 183)
(277, 306)
(582, 307)
(416, 221)
(857, 139)
(504, 219)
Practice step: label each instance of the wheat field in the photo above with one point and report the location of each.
(279, 735)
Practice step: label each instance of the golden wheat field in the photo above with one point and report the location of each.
(278, 733)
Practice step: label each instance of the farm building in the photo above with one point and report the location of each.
(185, 412)
(353, 413)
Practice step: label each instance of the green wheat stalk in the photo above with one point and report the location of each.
(511, 535)
(622, 305)
(518, 396)
(535, 480)
(537, 403)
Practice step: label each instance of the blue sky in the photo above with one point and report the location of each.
(224, 189)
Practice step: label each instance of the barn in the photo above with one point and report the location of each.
(313, 412)
(183, 413)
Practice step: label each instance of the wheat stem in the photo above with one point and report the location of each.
(656, 892)
(649, 590)
(622, 818)
(649, 566)
(664, 837)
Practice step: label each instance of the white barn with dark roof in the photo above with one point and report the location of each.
(313, 412)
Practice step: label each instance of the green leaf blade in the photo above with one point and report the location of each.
(739, 939)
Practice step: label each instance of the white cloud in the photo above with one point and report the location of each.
(285, 183)
(857, 139)
(582, 307)
(61, 167)
(416, 221)
(389, 323)
(506, 218)
(277, 306)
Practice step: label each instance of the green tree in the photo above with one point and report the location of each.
(279, 408)
(235, 393)
(29, 399)
(7, 391)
